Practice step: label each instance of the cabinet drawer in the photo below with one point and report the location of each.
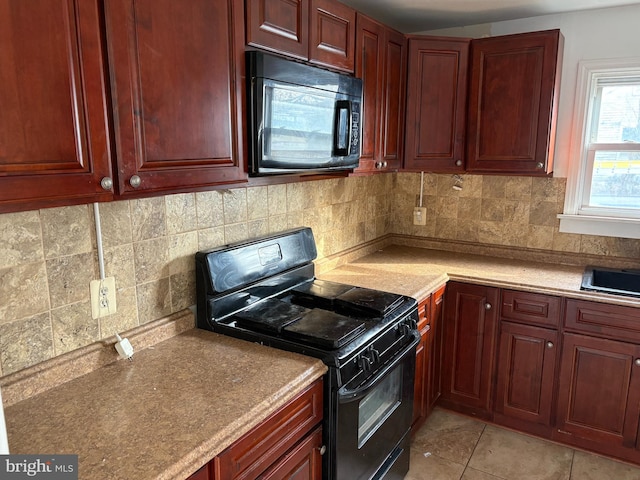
(424, 313)
(614, 321)
(532, 308)
(262, 446)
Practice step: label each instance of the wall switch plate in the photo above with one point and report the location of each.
(419, 215)
(103, 297)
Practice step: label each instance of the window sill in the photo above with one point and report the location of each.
(603, 226)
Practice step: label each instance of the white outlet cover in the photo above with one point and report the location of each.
(98, 311)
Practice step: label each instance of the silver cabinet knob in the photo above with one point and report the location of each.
(323, 449)
(539, 165)
(637, 362)
(487, 306)
(458, 163)
(549, 344)
(106, 183)
(135, 181)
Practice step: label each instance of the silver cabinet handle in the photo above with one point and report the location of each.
(549, 344)
(323, 449)
(487, 306)
(637, 362)
(106, 183)
(539, 165)
(135, 181)
(458, 163)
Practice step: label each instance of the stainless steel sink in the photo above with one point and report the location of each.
(611, 280)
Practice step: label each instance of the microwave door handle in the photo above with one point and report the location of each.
(342, 128)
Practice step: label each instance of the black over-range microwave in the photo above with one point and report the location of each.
(301, 118)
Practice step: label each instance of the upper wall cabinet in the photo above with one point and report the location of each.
(320, 31)
(381, 63)
(176, 92)
(513, 101)
(436, 110)
(53, 127)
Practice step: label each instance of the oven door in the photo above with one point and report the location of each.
(374, 418)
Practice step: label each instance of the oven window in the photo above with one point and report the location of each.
(378, 404)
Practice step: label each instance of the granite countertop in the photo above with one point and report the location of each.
(417, 272)
(164, 414)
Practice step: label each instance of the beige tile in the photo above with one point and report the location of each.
(181, 213)
(449, 436)
(148, 218)
(151, 259)
(235, 205)
(257, 228)
(182, 250)
(277, 223)
(473, 474)
(467, 230)
(515, 234)
(540, 237)
(566, 242)
(25, 342)
(277, 199)
(502, 453)
(543, 213)
(126, 316)
(115, 223)
(183, 290)
(494, 186)
(210, 212)
(210, 238)
(69, 278)
(471, 186)
(235, 233)
(516, 212)
(547, 189)
(492, 209)
(20, 239)
(119, 263)
(469, 208)
(446, 207)
(491, 232)
(23, 290)
(518, 188)
(432, 467)
(66, 230)
(594, 245)
(446, 228)
(593, 467)
(154, 300)
(73, 327)
(257, 203)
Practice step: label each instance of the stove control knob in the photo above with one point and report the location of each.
(374, 355)
(364, 363)
(404, 329)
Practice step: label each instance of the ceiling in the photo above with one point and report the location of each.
(412, 16)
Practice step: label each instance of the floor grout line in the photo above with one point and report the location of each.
(466, 465)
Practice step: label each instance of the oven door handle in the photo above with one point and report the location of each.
(345, 395)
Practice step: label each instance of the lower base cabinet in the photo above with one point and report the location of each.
(287, 445)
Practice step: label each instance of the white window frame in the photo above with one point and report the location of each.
(578, 218)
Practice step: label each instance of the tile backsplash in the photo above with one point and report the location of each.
(48, 257)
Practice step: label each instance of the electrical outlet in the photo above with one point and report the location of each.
(103, 297)
(419, 215)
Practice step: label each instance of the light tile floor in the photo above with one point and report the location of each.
(454, 447)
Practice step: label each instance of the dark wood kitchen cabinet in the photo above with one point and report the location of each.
(176, 76)
(599, 385)
(513, 100)
(54, 139)
(319, 31)
(434, 347)
(381, 63)
(287, 445)
(436, 110)
(528, 352)
(422, 351)
(599, 395)
(470, 325)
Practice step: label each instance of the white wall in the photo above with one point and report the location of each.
(590, 34)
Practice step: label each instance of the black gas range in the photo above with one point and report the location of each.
(264, 290)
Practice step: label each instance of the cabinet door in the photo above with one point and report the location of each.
(599, 392)
(381, 64)
(526, 372)
(436, 104)
(53, 125)
(392, 124)
(422, 353)
(279, 25)
(469, 345)
(332, 34)
(304, 462)
(370, 68)
(434, 375)
(205, 473)
(176, 101)
(513, 103)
